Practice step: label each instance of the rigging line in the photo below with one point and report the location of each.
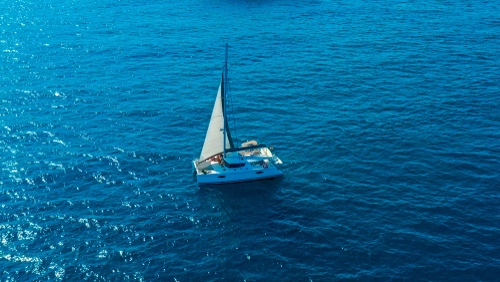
(232, 114)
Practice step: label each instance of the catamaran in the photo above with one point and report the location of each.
(221, 162)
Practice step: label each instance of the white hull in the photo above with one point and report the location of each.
(237, 177)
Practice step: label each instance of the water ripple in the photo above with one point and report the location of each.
(384, 113)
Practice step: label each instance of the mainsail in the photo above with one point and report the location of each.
(214, 142)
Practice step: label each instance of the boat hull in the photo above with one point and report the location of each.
(238, 177)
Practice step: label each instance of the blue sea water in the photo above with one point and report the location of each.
(386, 115)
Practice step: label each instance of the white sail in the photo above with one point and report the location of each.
(214, 144)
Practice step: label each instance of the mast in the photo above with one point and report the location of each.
(224, 101)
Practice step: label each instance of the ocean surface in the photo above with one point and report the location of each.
(386, 115)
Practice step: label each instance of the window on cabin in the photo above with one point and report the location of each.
(235, 165)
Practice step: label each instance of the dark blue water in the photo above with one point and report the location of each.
(385, 113)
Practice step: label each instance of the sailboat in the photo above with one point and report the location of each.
(221, 162)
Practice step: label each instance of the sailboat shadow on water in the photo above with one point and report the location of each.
(246, 188)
